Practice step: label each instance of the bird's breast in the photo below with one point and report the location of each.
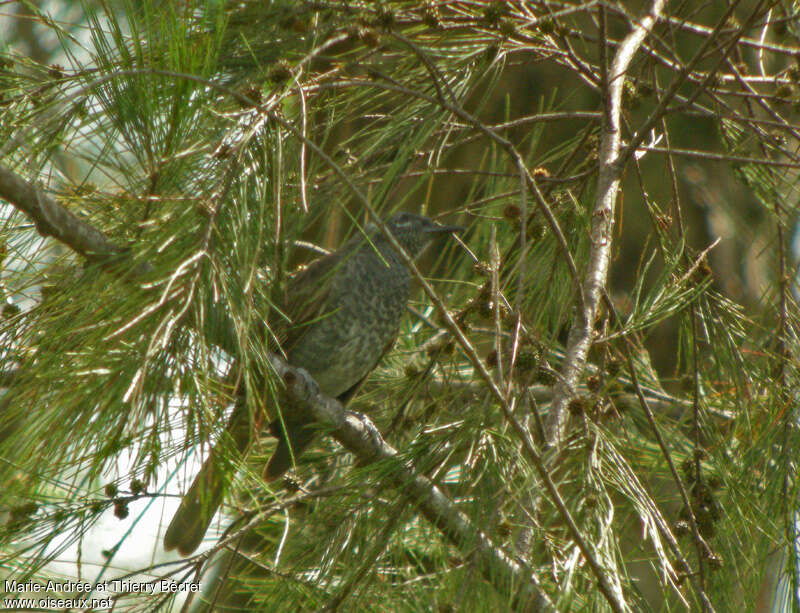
(363, 312)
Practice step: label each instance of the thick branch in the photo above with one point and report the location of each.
(52, 219)
(357, 433)
(610, 173)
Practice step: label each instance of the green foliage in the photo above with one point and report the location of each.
(222, 145)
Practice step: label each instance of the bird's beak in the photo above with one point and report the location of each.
(438, 229)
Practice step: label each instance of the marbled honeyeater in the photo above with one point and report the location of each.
(345, 311)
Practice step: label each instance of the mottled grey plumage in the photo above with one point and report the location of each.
(345, 311)
(366, 299)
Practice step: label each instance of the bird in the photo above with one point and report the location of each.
(344, 312)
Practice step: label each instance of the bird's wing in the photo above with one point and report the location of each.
(306, 297)
(347, 395)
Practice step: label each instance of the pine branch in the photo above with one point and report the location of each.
(360, 436)
(356, 432)
(54, 220)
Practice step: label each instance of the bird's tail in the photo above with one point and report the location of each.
(191, 520)
(293, 437)
(200, 503)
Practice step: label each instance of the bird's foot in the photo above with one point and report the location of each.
(369, 431)
(310, 387)
(302, 383)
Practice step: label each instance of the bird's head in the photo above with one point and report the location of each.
(414, 232)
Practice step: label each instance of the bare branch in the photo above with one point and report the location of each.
(360, 436)
(580, 335)
(53, 220)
